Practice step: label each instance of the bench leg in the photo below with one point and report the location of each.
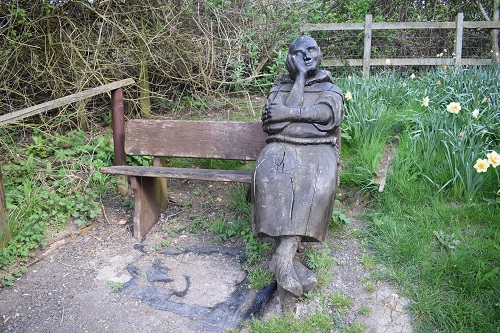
(150, 200)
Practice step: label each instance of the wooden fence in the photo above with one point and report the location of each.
(368, 26)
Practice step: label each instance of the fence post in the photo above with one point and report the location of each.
(459, 34)
(4, 223)
(368, 46)
(118, 120)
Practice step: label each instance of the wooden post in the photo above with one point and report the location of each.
(368, 46)
(118, 120)
(459, 34)
(494, 34)
(4, 223)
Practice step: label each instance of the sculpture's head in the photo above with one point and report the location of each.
(307, 48)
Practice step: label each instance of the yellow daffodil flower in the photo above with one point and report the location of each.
(454, 107)
(493, 158)
(481, 165)
(425, 101)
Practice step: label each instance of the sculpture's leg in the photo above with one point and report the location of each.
(285, 272)
(282, 265)
(287, 300)
(306, 276)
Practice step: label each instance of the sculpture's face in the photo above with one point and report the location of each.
(307, 48)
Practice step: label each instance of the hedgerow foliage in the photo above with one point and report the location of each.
(53, 48)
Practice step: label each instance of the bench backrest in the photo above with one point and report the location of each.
(198, 139)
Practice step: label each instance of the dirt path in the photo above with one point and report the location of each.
(176, 280)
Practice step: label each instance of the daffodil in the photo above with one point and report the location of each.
(454, 107)
(438, 82)
(404, 84)
(425, 101)
(481, 165)
(348, 96)
(475, 113)
(349, 78)
(493, 158)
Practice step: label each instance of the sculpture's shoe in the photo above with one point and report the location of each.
(286, 276)
(287, 300)
(306, 276)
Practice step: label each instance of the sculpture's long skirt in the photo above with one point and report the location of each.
(293, 190)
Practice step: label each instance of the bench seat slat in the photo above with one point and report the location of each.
(181, 173)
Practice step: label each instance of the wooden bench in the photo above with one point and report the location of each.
(178, 138)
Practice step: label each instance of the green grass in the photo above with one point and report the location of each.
(341, 302)
(321, 262)
(319, 322)
(115, 286)
(365, 311)
(259, 277)
(445, 257)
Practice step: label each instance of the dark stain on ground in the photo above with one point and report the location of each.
(229, 314)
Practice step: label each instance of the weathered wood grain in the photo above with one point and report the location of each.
(181, 173)
(199, 139)
(150, 200)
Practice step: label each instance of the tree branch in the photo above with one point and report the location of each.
(483, 11)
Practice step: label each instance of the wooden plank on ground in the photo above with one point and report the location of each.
(385, 165)
(47, 106)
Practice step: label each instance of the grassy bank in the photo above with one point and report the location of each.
(436, 227)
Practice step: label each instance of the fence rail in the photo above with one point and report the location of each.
(47, 106)
(368, 26)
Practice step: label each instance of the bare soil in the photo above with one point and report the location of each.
(178, 279)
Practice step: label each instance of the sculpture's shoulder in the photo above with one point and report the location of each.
(323, 87)
(285, 87)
